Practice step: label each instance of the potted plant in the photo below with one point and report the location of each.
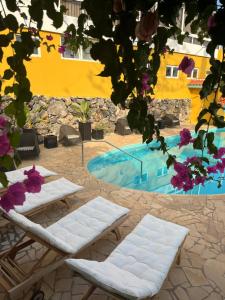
(83, 112)
(98, 131)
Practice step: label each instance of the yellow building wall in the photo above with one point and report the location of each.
(177, 88)
(54, 76)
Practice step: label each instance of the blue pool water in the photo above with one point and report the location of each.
(120, 169)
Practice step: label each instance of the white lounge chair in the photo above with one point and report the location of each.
(50, 192)
(18, 175)
(137, 268)
(67, 238)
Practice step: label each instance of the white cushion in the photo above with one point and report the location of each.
(76, 229)
(50, 192)
(72, 136)
(18, 175)
(25, 148)
(137, 268)
(84, 224)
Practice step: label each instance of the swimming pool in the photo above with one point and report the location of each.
(120, 169)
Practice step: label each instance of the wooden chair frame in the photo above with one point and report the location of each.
(40, 208)
(14, 279)
(93, 287)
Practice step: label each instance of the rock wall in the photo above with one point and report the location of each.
(178, 107)
(48, 114)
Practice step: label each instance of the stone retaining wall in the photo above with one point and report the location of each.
(48, 114)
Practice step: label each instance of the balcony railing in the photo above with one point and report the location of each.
(73, 7)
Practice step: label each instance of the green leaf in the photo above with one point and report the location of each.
(170, 161)
(8, 74)
(8, 90)
(199, 141)
(205, 159)
(11, 22)
(199, 124)
(202, 113)
(81, 21)
(11, 5)
(3, 179)
(7, 162)
(14, 138)
(1, 54)
(10, 110)
(4, 40)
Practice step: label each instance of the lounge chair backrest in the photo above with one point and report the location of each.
(36, 230)
(18, 175)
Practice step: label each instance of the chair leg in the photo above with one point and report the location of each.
(116, 231)
(89, 292)
(64, 201)
(178, 258)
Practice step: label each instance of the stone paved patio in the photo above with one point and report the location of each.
(201, 274)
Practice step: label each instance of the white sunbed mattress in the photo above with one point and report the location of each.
(50, 192)
(137, 268)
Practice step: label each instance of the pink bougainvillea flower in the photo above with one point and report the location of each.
(34, 181)
(118, 6)
(145, 86)
(211, 22)
(200, 180)
(177, 182)
(212, 169)
(3, 122)
(193, 159)
(33, 30)
(6, 202)
(147, 26)
(5, 147)
(220, 167)
(187, 65)
(67, 35)
(49, 37)
(182, 170)
(185, 137)
(164, 51)
(223, 161)
(15, 195)
(189, 184)
(220, 153)
(62, 49)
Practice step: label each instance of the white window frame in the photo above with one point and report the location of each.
(80, 54)
(39, 48)
(172, 67)
(192, 72)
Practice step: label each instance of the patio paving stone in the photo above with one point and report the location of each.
(201, 274)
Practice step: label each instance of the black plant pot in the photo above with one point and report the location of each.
(50, 141)
(85, 131)
(98, 134)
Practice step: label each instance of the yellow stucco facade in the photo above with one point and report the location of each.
(52, 75)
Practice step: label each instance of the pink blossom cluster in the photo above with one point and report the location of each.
(15, 194)
(5, 147)
(144, 83)
(185, 178)
(211, 23)
(185, 137)
(118, 6)
(62, 49)
(147, 26)
(67, 37)
(186, 65)
(49, 37)
(220, 165)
